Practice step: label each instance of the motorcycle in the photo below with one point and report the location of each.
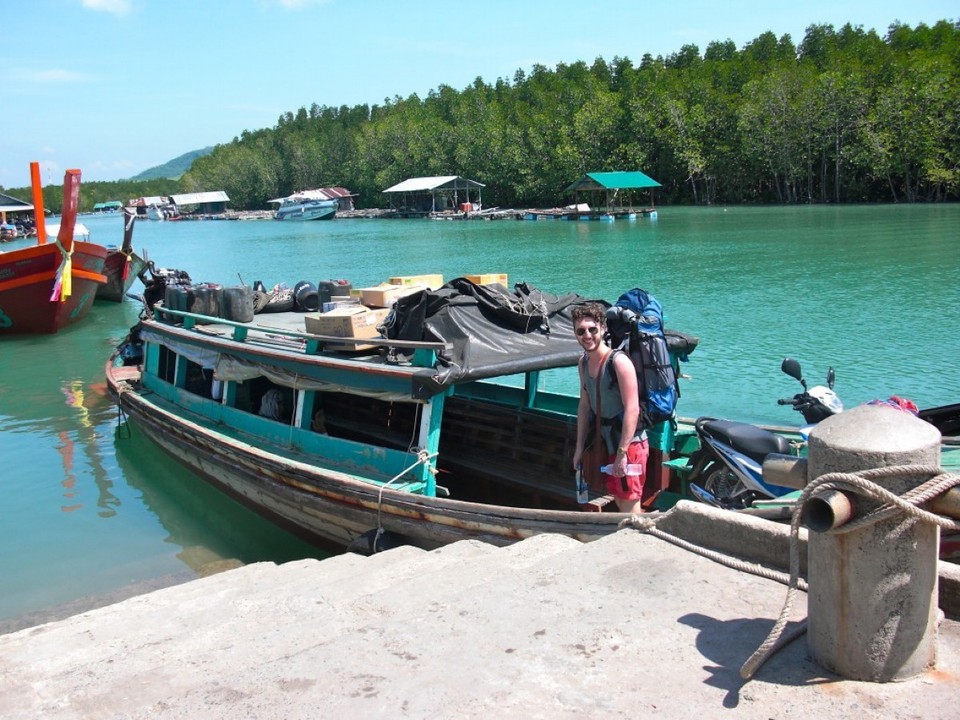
(727, 469)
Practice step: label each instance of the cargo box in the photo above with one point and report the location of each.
(354, 321)
(428, 281)
(386, 294)
(488, 279)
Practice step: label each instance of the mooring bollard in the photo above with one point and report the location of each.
(872, 597)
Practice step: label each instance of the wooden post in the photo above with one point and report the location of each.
(38, 203)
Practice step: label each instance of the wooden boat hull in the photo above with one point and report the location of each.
(329, 505)
(116, 287)
(27, 278)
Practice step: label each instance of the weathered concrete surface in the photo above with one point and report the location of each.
(873, 591)
(628, 626)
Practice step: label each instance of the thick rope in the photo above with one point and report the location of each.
(649, 526)
(861, 483)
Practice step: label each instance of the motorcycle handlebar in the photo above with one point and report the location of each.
(787, 401)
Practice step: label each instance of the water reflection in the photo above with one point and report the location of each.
(83, 400)
(207, 526)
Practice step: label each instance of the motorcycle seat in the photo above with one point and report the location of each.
(751, 440)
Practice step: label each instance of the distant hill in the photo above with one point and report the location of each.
(173, 169)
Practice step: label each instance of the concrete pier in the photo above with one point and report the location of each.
(627, 626)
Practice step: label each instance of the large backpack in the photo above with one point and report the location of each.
(636, 327)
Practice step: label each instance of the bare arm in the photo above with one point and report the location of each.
(627, 382)
(583, 421)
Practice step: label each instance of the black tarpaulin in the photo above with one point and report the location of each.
(492, 330)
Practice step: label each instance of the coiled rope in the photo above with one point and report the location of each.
(861, 483)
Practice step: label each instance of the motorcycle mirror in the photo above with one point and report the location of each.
(831, 378)
(792, 368)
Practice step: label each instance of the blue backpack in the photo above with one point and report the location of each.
(636, 327)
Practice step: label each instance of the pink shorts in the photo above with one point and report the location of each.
(630, 487)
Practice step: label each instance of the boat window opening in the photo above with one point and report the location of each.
(376, 422)
(199, 381)
(268, 400)
(167, 364)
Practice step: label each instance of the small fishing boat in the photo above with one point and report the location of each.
(306, 205)
(50, 285)
(122, 265)
(167, 211)
(439, 432)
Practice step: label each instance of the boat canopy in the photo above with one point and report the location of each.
(621, 180)
(492, 331)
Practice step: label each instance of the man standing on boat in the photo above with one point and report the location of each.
(608, 381)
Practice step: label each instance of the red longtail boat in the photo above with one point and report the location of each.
(51, 284)
(123, 265)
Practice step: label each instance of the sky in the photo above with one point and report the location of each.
(115, 87)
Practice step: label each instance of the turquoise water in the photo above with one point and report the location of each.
(873, 291)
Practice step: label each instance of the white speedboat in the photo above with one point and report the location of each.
(306, 206)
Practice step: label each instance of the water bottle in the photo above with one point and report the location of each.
(583, 491)
(631, 469)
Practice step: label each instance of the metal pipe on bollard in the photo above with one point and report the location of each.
(872, 595)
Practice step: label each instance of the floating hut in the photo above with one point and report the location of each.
(108, 207)
(611, 199)
(429, 196)
(201, 203)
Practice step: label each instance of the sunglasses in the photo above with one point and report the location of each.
(593, 330)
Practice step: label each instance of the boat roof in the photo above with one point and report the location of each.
(492, 331)
(437, 182)
(619, 180)
(329, 193)
(479, 332)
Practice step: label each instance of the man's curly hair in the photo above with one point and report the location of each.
(593, 311)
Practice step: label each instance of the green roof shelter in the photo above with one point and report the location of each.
(109, 206)
(611, 184)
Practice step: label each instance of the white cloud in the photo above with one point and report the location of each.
(117, 7)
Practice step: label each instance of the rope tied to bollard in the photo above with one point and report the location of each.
(648, 526)
(860, 482)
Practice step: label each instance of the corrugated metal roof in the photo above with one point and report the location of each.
(329, 193)
(148, 200)
(8, 203)
(200, 197)
(621, 180)
(440, 182)
(108, 204)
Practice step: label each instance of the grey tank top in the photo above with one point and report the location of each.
(611, 405)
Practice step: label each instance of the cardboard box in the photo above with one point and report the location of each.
(385, 294)
(354, 321)
(334, 304)
(431, 282)
(488, 279)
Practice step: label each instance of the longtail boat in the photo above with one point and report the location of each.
(123, 265)
(48, 286)
(436, 432)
